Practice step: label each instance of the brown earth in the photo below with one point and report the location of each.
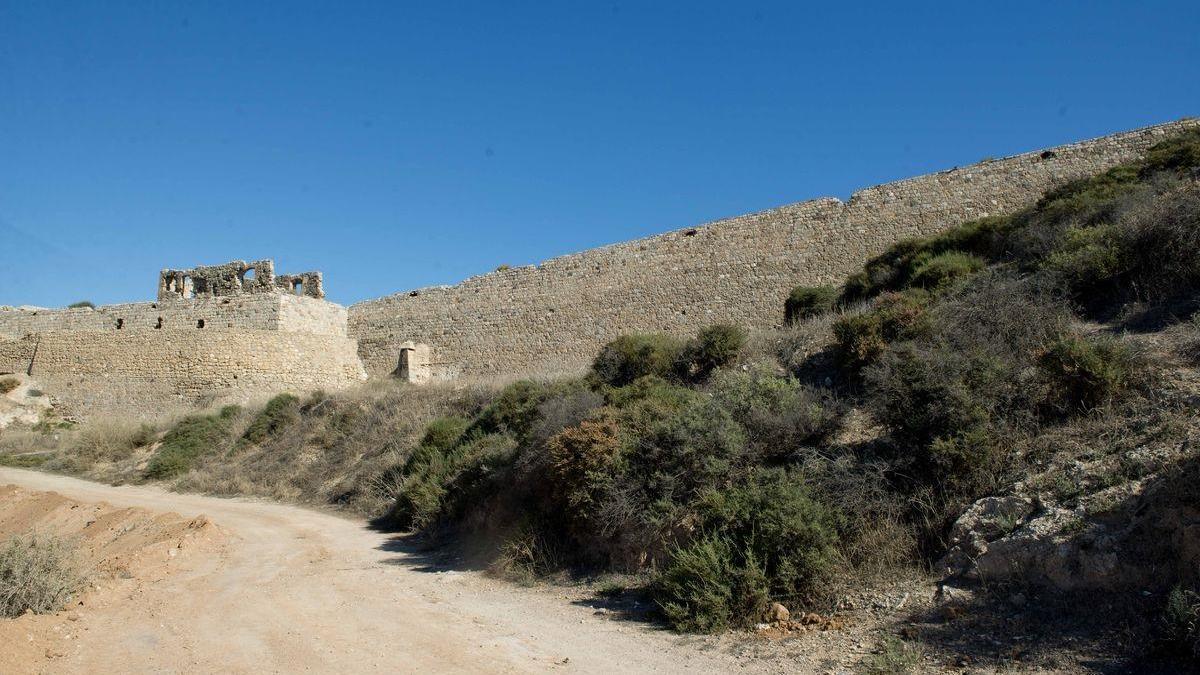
(188, 583)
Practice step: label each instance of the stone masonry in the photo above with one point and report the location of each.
(551, 318)
(239, 329)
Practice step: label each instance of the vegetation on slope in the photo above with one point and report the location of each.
(729, 471)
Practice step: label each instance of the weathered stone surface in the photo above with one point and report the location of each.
(551, 318)
(240, 327)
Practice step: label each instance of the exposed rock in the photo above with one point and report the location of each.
(778, 613)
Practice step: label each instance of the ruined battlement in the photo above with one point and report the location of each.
(236, 278)
(231, 331)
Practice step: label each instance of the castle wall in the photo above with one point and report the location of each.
(162, 354)
(140, 372)
(551, 318)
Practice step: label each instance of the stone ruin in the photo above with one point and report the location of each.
(236, 278)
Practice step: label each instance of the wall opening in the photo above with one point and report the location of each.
(159, 324)
(120, 324)
(414, 364)
(189, 287)
(200, 323)
(298, 287)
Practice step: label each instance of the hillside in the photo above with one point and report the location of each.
(1002, 416)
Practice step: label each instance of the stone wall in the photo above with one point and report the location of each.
(552, 317)
(265, 311)
(136, 358)
(145, 372)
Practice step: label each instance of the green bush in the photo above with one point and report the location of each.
(81, 304)
(8, 384)
(1179, 623)
(895, 269)
(38, 573)
(938, 270)
(862, 338)
(713, 347)
(444, 433)
(514, 410)
(192, 437)
(766, 538)
(1179, 153)
(279, 413)
(806, 301)
(630, 357)
(707, 588)
(1084, 373)
(779, 414)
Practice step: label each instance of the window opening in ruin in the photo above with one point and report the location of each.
(159, 324)
(189, 288)
(120, 324)
(200, 323)
(248, 274)
(298, 287)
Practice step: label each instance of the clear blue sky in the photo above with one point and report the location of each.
(396, 145)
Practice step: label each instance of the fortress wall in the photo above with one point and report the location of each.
(302, 314)
(140, 372)
(252, 312)
(292, 313)
(15, 355)
(551, 318)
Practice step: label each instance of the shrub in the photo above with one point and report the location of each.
(713, 347)
(1178, 153)
(279, 413)
(862, 338)
(82, 303)
(806, 301)
(444, 433)
(514, 410)
(895, 269)
(765, 539)
(706, 589)
(580, 457)
(1084, 373)
(630, 357)
(936, 271)
(778, 413)
(38, 573)
(772, 516)
(108, 440)
(8, 384)
(192, 437)
(894, 657)
(1180, 622)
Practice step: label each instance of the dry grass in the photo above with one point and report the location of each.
(8, 384)
(340, 449)
(38, 574)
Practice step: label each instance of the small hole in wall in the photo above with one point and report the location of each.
(200, 323)
(153, 306)
(1049, 154)
(225, 301)
(159, 324)
(689, 233)
(413, 294)
(120, 324)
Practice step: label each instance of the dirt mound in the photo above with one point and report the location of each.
(120, 549)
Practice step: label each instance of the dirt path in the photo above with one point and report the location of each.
(294, 590)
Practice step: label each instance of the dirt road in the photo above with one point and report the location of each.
(296, 590)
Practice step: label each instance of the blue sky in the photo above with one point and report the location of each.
(397, 145)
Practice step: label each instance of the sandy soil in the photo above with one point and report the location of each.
(240, 586)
